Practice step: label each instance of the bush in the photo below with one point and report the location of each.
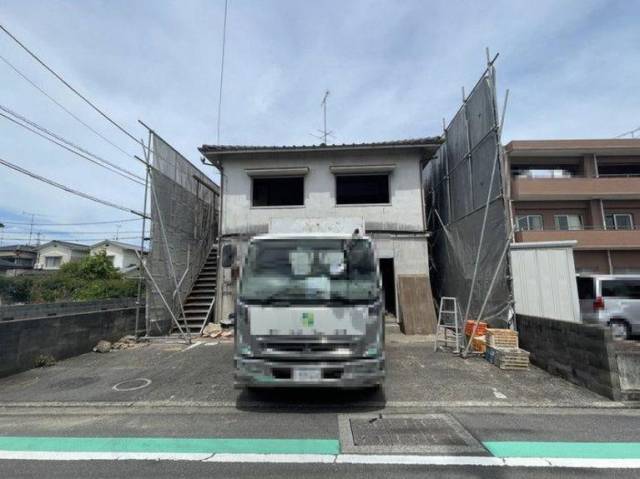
(93, 277)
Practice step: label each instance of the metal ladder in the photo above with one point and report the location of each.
(448, 327)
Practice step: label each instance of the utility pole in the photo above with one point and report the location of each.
(1, 233)
(38, 239)
(118, 231)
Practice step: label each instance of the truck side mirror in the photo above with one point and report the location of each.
(229, 253)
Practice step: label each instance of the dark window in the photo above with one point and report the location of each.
(625, 169)
(278, 191)
(621, 288)
(362, 189)
(586, 288)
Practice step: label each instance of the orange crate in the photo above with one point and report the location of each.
(480, 331)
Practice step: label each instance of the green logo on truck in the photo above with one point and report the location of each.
(307, 320)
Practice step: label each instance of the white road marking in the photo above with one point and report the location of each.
(364, 459)
(498, 394)
(274, 458)
(194, 345)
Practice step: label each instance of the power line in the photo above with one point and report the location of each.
(224, 42)
(65, 83)
(69, 190)
(58, 238)
(69, 112)
(630, 132)
(57, 232)
(111, 167)
(73, 224)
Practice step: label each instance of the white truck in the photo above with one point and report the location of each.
(309, 312)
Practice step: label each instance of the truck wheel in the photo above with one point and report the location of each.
(619, 329)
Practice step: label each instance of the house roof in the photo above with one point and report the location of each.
(74, 246)
(577, 147)
(18, 247)
(428, 143)
(116, 243)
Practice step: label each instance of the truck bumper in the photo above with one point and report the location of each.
(355, 373)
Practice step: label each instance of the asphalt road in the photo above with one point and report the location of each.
(161, 470)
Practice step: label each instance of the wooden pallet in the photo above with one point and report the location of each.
(513, 358)
(502, 338)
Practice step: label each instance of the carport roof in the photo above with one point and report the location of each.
(427, 144)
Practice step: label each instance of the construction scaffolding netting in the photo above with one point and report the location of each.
(183, 230)
(466, 210)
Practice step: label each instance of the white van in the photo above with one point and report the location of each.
(611, 300)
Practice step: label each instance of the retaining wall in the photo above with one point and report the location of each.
(23, 341)
(583, 354)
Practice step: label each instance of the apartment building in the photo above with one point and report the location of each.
(584, 190)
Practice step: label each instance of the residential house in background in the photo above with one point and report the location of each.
(55, 253)
(17, 259)
(584, 190)
(122, 255)
(378, 184)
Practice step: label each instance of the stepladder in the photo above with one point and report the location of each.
(449, 328)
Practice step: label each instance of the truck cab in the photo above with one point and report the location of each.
(309, 313)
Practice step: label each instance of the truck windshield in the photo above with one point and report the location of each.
(309, 271)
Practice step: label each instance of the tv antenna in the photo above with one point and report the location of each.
(33, 215)
(324, 133)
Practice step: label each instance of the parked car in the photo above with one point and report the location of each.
(611, 300)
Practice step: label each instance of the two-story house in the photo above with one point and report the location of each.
(55, 253)
(16, 259)
(123, 256)
(380, 183)
(584, 190)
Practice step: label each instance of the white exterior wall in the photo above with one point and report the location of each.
(57, 250)
(122, 258)
(544, 280)
(403, 213)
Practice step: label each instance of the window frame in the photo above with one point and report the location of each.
(568, 215)
(276, 177)
(57, 265)
(360, 174)
(615, 223)
(528, 217)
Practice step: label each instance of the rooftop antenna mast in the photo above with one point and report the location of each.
(33, 215)
(324, 133)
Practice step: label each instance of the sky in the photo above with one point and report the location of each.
(394, 70)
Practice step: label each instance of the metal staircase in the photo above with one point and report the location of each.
(198, 307)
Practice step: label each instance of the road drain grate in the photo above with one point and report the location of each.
(405, 433)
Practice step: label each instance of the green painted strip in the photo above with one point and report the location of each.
(590, 450)
(173, 445)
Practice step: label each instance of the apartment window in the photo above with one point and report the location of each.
(568, 222)
(619, 221)
(52, 261)
(530, 222)
(362, 189)
(284, 191)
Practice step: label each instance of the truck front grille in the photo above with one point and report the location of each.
(300, 349)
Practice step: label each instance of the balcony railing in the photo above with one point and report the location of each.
(588, 238)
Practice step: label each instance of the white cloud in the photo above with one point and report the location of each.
(394, 70)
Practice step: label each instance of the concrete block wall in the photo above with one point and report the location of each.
(580, 353)
(24, 311)
(23, 341)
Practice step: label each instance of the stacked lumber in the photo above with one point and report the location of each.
(502, 338)
(508, 358)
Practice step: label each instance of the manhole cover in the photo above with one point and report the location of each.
(405, 433)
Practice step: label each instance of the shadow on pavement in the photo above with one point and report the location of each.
(312, 400)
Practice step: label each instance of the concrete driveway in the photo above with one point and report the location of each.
(202, 373)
